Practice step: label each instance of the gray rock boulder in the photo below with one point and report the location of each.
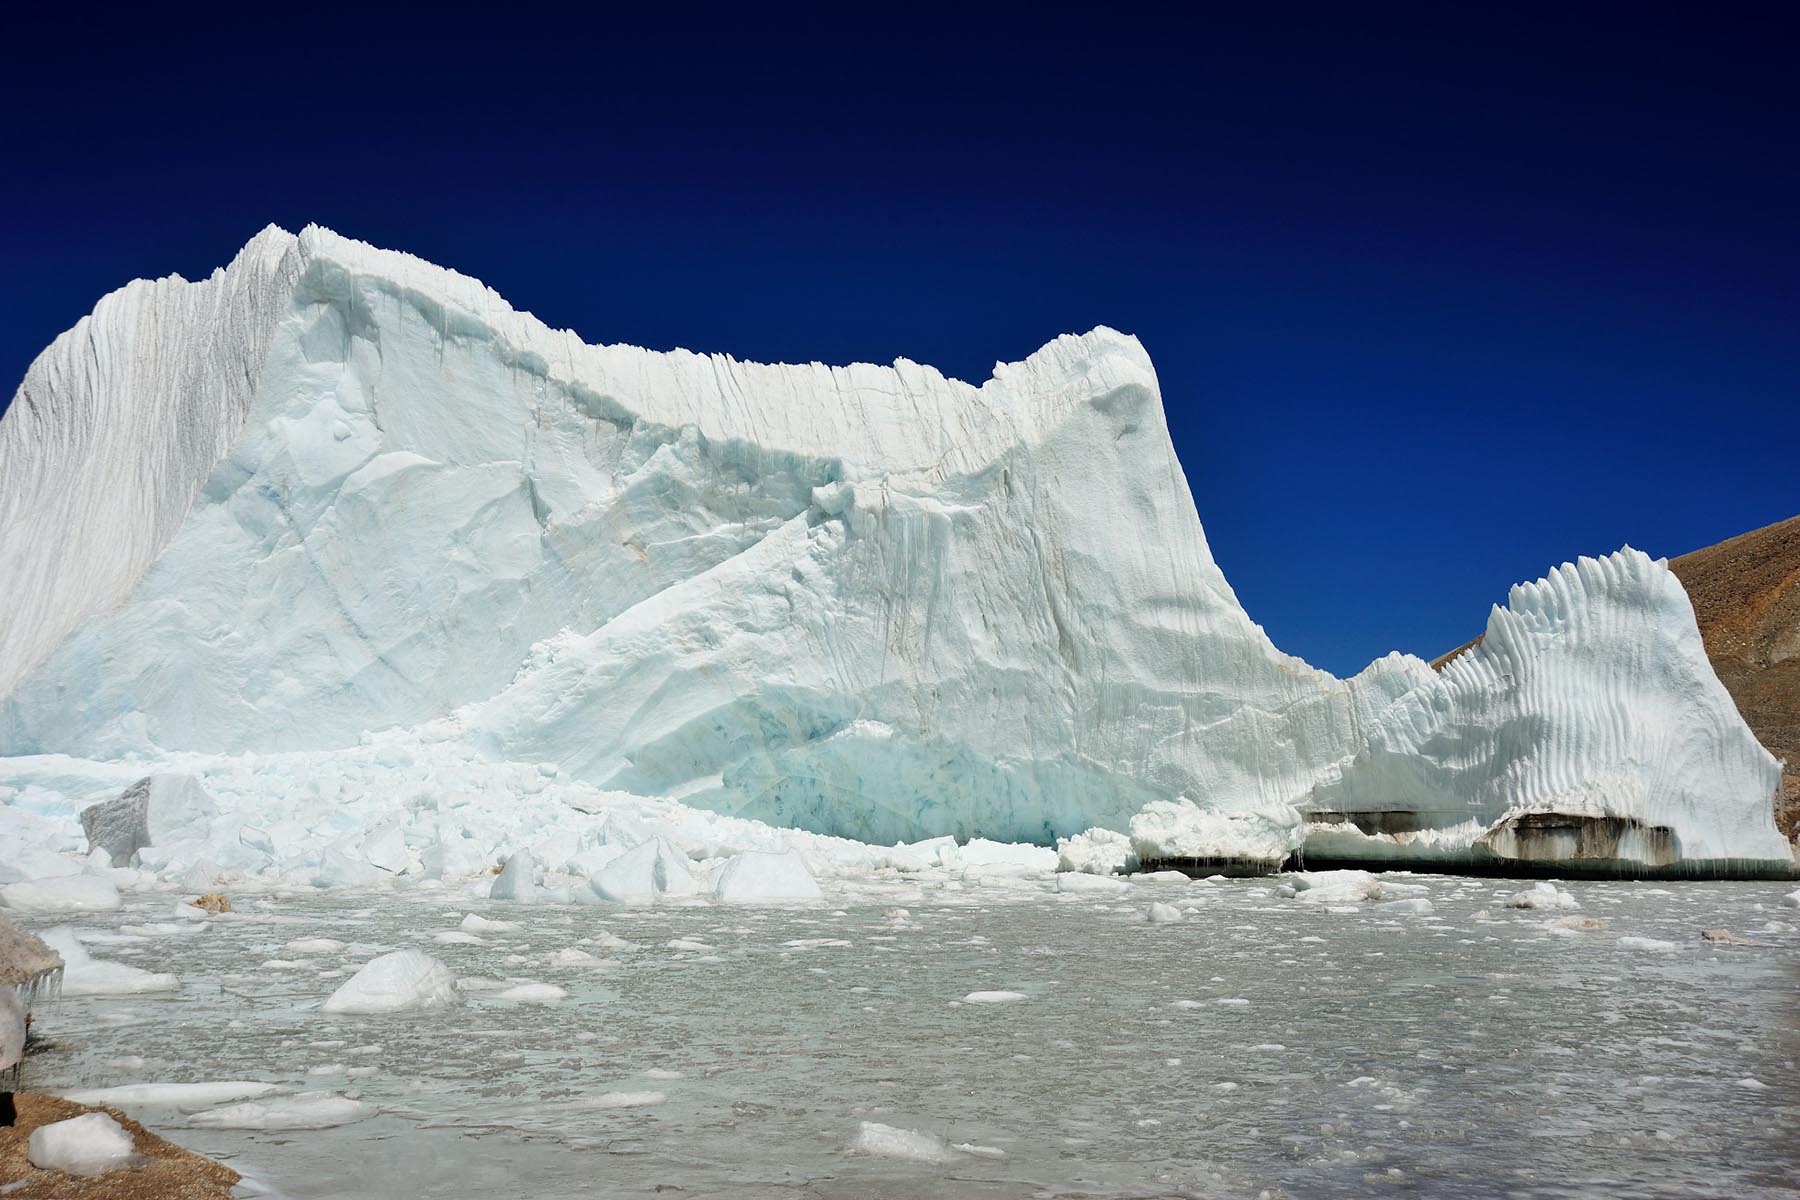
(154, 811)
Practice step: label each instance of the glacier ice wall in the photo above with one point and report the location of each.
(335, 489)
(1591, 697)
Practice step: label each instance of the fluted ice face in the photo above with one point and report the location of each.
(1589, 695)
(335, 489)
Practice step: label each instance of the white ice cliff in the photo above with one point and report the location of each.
(334, 490)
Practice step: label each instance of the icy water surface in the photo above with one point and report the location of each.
(1260, 1044)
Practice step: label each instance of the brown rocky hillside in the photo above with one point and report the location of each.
(1746, 594)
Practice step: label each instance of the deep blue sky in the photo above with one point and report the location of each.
(1438, 299)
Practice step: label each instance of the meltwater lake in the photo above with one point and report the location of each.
(1260, 1045)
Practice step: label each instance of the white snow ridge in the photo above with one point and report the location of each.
(340, 533)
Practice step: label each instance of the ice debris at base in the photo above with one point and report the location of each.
(88, 1145)
(1179, 830)
(542, 579)
(1163, 914)
(755, 876)
(396, 982)
(517, 879)
(654, 868)
(84, 975)
(1096, 852)
(887, 1141)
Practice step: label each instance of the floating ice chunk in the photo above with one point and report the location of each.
(517, 881)
(661, 1073)
(888, 1141)
(309, 1110)
(655, 868)
(472, 923)
(1232, 1001)
(1096, 852)
(1082, 884)
(1653, 945)
(1417, 906)
(315, 945)
(533, 993)
(993, 997)
(66, 894)
(397, 982)
(456, 937)
(1335, 887)
(1792, 899)
(623, 1100)
(84, 975)
(1181, 877)
(753, 877)
(690, 944)
(88, 1145)
(1541, 895)
(1752, 1085)
(183, 1097)
(1573, 925)
(979, 1151)
(1163, 914)
(571, 957)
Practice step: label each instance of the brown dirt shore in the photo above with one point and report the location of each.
(1746, 596)
(167, 1173)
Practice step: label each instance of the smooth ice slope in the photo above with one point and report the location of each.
(348, 491)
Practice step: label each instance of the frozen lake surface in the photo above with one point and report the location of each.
(1258, 1043)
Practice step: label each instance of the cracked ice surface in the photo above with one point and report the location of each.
(1263, 1042)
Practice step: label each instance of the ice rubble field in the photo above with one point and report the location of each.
(334, 489)
(967, 1032)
